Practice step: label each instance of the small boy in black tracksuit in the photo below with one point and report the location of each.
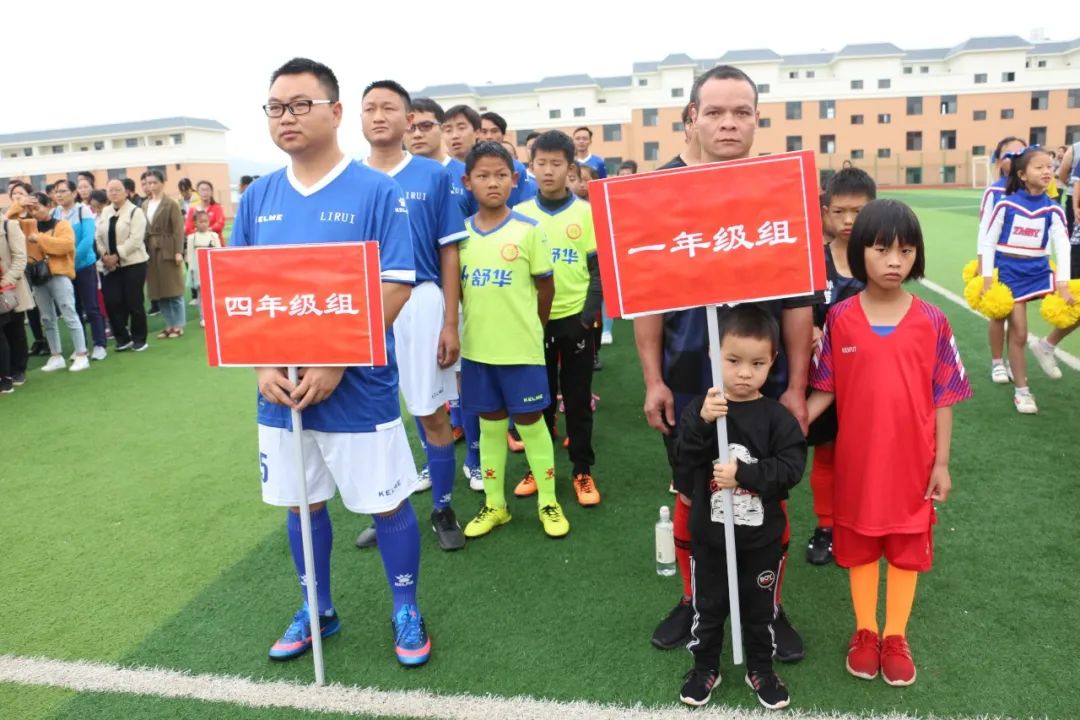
(767, 458)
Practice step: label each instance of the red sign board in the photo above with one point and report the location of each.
(293, 305)
(726, 232)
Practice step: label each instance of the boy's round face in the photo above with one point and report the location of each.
(550, 168)
(745, 363)
(839, 217)
(889, 267)
(202, 223)
(491, 181)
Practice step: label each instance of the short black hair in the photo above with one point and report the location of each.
(246, 179)
(427, 105)
(89, 176)
(1019, 164)
(128, 184)
(305, 66)
(587, 168)
(532, 134)
(100, 196)
(21, 184)
(849, 182)
(488, 148)
(720, 72)
(392, 86)
(496, 118)
(153, 173)
(882, 223)
(750, 320)
(467, 112)
(554, 141)
(586, 129)
(49, 187)
(184, 184)
(629, 165)
(686, 119)
(67, 182)
(43, 199)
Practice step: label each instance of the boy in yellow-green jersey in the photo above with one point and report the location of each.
(568, 339)
(507, 286)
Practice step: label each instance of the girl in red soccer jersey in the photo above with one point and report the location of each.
(890, 361)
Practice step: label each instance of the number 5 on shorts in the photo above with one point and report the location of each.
(263, 466)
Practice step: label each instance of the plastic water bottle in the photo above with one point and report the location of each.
(665, 544)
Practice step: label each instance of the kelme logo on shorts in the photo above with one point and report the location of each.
(766, 579)
(509, 252)
(533, 398)
(573, 231)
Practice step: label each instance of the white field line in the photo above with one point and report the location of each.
(1065, 357)
(348, 700)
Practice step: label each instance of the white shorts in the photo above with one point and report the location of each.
(425, 385)
(374, 471)
(460, 334)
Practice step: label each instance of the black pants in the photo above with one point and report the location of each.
(33, 316)
(15, 340)
(123, 291)
(758, 573)
(1070, 220)
(568, 350)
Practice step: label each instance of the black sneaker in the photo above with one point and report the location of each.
(18, 379)
(366, 539)
(769, 688)
(596, 364)
(447, 530)
(674, 630)
(124, 347)
(38, 348)
(819, 549)
(698, 687)
(789, 644)
(141, 346)
(6, 386)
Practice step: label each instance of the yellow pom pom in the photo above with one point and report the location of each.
(972, 290)
(970, 270)
(1074, 288)
(997, 302)
(1053, 266)
(1057, 312)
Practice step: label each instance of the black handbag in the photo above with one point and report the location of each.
(37, 271)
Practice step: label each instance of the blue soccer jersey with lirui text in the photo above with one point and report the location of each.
(352, 203)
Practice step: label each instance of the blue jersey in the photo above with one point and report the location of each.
(596, 163)
(351, 203)
(456, 170)
(434, 212)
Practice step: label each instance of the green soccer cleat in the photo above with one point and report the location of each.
(486, 520)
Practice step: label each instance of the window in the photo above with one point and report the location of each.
(1040, 99)
(612, 133)
(554, 114)
(980, 78)
(856, 119)
(827, 144)
(158, 142)
(160, 169)
(178, 139)
(884, 118)
(763, 88)
(57, 149)
(948, 140)
(131, 142)
(642, 82)
(884, 152)
(793, 143)
(72, 177)
(27, 152)
(793, 75)
(1072, 134)
(38, 181)
(810, 74)
(1074, 98)
(579, 112)
(908, 69)
(924, 69)
(677, 92)
(1037, 136)
(856, 84)
(1042, 63)
(678, 127)
(884, 83)
(947, 105)
(1007, 114)
(520, 137)
(793, 110)
(601, 101)
(117, 173)
(84, 148)
(613, 164)
(650, 117)
(978, 115)
(764, 122)
(914, 105)
(824, 176)
(99, 144)
(913, 176)
(856, 154)
(827, 109)
(948, 174)
(914, 140)
(978, 150)
(652, 151)
(1008, 77)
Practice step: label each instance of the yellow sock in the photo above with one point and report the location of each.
(899, 597)
(493, 459)
(864, 595)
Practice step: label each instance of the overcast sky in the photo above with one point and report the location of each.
(107, 69)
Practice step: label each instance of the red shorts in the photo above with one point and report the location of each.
(907, 551)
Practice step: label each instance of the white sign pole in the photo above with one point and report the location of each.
(305, 534)
(726, 496)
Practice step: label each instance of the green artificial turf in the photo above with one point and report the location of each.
(135, 535)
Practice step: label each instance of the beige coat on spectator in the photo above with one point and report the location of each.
(130, 233)
(13, 262)
(164, 240)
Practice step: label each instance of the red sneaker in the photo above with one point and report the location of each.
(897, 667)
(864, 655)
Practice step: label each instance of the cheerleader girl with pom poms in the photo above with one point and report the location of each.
(1007, 148)
(1064, 317)
(1024, 228)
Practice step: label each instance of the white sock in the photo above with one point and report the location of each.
(1047, 345)
(1023, 390)
(996, 361)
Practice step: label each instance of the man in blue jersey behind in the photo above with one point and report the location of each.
(582, 156)
(353, 438)
(426, 332)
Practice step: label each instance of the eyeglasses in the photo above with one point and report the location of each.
(425, 126)
(296, 107)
